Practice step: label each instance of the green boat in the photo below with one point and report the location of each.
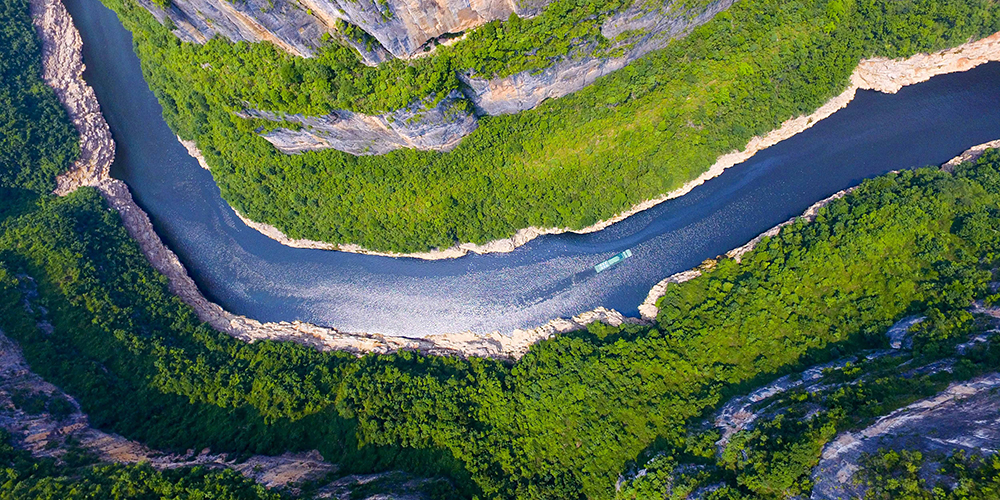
(613, 260)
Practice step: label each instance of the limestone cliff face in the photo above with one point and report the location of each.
(281, 22)
(644, 31)
(401, 26)
(404, 26)
(439, 128)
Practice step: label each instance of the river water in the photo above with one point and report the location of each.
(250, 274)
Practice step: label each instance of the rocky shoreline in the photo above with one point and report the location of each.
(63, 62)
(879, 74)
(648, 308)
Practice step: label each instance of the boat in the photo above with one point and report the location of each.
(603, 266)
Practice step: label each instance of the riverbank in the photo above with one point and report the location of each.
(63, 61)
(878, 74)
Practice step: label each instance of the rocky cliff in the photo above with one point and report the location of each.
(402, 27)
(641, 31)
(963, 417)
(427, 126)
(61, 70)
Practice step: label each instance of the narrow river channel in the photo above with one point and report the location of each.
(552, 276)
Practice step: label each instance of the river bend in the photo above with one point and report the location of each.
(552, 276)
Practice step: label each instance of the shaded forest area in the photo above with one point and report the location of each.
(37, 141)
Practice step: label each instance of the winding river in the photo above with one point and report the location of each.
(552, 276)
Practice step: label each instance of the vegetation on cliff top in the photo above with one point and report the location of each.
(632, 135)
(562, 422)
(37, 141)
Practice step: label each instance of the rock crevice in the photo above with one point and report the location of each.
(425, 126)
(401, 27)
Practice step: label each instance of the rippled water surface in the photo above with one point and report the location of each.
(552, 276)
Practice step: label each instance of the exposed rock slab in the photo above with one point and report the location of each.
(62, 67)
(966, 416)
(425, 126)
(404, 26)
(281, 22)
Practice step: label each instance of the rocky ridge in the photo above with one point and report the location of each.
(46, 434)
(62, 67)
(879, 74)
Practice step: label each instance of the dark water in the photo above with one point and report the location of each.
(552, 276)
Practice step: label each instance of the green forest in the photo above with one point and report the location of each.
(570, 418)
(632, 135)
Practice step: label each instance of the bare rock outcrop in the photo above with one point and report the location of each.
(640, 30)
(972, 154)
(404, 26)
(282, 22)
(963, 417)
(426, 126)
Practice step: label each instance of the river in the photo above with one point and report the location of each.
(552, 276)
